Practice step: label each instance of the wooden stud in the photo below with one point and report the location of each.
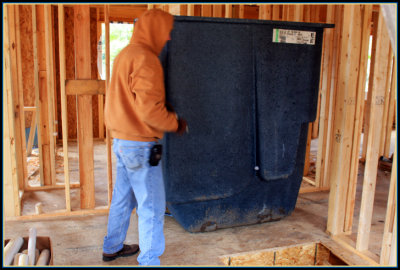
(390, 214)
(108, 136)
(344, 119)
(50, 90)
(184, 10)
(19, 114)
(369, 94)
(265, 12)
(366, 16)
(228, 11)
(387, 101)
(351, 102)
(315, 124)
(374, 132)
(217, 10)
(308, 148)
(292, 13)
(31, 134)
(392, 107)
(100, 97)
(393, 249)
(84, 105)
(21, 95)
(12, 204)
(190, 9)
(44, 99)
(165, 7)
(70, 69)
(276, 12)
(54, 71)
(64, 115)
(334, 82)
(175, 9)
(206, 10)
(326, 92)
(314, 14)
(241, 11)
(307, 13)
(37, 93)
(285, 12)
(298, 13)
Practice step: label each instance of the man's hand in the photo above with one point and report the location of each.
(182, 126)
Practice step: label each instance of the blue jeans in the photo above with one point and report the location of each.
(142, 186)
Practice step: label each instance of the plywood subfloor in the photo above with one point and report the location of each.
(78, 240)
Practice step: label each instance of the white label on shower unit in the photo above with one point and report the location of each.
(293, 36)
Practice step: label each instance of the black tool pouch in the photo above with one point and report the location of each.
(155, 155)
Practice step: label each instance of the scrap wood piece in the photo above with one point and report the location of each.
(309, 180)
(38, 209)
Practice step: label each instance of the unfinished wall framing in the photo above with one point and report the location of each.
(51, 82)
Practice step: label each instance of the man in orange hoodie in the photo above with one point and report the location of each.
(136, 116)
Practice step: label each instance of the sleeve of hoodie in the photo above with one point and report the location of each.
(147, 84)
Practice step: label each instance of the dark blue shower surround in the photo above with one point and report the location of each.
(248, 102)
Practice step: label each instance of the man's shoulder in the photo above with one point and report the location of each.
(143, 55)
(140, 51)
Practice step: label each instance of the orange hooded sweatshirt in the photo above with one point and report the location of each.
(135, 100)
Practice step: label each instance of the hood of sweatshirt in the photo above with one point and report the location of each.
(152, 29)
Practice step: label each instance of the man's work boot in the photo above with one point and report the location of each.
(127, 250)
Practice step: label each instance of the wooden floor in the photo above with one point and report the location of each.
(78, 240)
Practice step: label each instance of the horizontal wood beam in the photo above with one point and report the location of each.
(28, 189)
(101, 210)
(348, 244)
(123, 13)
(312, 189)
(309, 180)
(85, 87)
